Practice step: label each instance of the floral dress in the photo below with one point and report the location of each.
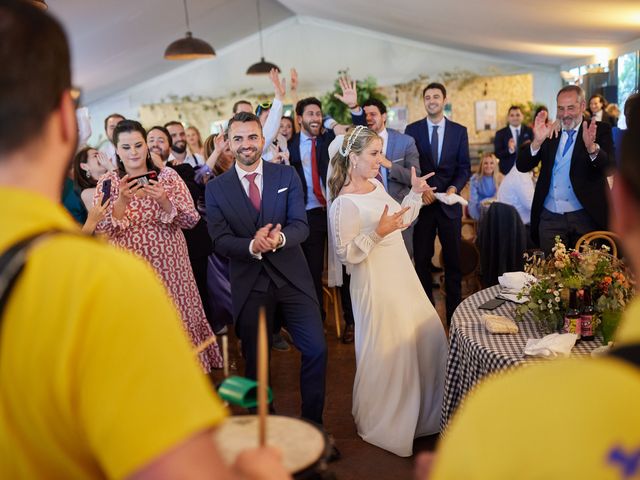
(155, 235)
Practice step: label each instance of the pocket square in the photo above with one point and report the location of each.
(283, 189)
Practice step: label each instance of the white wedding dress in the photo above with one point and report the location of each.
(401, 347)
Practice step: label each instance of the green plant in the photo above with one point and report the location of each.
(367, 88)
(528, 109)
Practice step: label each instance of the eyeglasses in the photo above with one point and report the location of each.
(262, 107)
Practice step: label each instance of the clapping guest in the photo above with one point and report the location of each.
(194, 140)
(484, 184)
(509, 138)
(146, 216)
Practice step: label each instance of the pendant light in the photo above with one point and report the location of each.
(188, 48)
(262, 67)
(39, 3)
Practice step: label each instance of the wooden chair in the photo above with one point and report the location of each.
(602, 237)
(331, 299)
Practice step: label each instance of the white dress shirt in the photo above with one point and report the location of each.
(441, 126)
(517, 189)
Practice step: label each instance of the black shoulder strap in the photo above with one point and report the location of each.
(628, 353)
(12, 263)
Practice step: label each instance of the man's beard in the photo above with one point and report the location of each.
(248, 157)
(179, 147)
(164, 154)
(313, 131)
(574, 122)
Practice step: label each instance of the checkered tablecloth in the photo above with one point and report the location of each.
(475, 353)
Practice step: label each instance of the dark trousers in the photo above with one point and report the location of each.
(199, 267)
(314, 247)
(568, 226)
(431, 221)
(345, 297)
(302, 318)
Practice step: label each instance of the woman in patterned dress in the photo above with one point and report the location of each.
(147, 219)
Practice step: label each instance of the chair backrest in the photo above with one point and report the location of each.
(600, 237)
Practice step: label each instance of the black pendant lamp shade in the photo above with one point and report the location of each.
(262, 67)
(188, 48)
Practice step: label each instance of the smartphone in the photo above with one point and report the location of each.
(492, 304)
(144, 178)
(106, 190)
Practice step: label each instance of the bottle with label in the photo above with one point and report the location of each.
(587, 316)
(572, 317)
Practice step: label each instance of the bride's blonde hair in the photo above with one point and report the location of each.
(355, 141)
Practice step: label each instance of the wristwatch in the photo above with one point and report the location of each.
(596, 151)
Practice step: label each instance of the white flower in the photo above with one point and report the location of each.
(540, 301)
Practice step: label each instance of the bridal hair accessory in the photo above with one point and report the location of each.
(352, 138)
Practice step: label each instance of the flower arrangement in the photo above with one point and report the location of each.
(606, 276)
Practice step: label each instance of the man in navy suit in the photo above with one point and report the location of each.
(256, 218)
(571, 196)
(309, 155)
(510, 138)
(443, 146)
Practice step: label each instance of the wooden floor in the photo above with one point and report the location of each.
(360, 460)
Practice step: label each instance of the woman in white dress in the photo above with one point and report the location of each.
(401, 347)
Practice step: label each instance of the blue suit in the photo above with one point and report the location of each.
(501, 146)
(280, 279)
(453, 169)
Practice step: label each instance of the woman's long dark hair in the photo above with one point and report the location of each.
(128, 126)
(80, 178)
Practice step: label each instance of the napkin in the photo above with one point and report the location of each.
(499, 324)
(554, 345)
(514, 282)
(451, 199)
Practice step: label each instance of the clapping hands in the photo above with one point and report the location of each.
(267, 238)
(589, 134)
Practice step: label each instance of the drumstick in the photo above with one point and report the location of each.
(204, 345)
(263, 368)
(225, 356)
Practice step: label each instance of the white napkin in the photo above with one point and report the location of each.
(451, 199)
(554, 345)
(514, 282)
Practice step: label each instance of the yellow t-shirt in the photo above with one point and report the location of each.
(97, 377)
(576, 418)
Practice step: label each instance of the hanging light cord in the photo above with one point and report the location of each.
(259, 28)
(186, 15)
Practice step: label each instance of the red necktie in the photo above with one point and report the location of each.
(315, 178)
(254, 192)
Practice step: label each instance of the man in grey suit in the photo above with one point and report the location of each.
(399, 150)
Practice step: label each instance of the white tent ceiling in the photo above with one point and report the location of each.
(119, 43)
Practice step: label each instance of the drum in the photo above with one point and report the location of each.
(305, 448)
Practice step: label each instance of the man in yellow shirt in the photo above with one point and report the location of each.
(97, 379)
(566, 419)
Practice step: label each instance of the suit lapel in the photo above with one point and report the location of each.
(391, 145)
(270, 183)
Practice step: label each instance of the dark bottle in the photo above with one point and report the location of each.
(587, 316)
(572, 317)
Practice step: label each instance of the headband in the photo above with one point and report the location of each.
(352, 138)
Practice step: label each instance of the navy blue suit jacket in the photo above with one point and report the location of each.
(322, 157)
(233, 222)
(501, 146)
(454, 168)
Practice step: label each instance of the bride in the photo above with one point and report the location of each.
(401, 347)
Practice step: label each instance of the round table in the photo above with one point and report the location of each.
(475, 353)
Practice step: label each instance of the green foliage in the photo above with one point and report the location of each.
(528, 109)
(367, 88)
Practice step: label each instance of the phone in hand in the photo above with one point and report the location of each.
(145, 178)
(106, 190)
(492, 304)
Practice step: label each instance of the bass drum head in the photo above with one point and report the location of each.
(302, 444)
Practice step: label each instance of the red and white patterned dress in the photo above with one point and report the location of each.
(155, 235)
